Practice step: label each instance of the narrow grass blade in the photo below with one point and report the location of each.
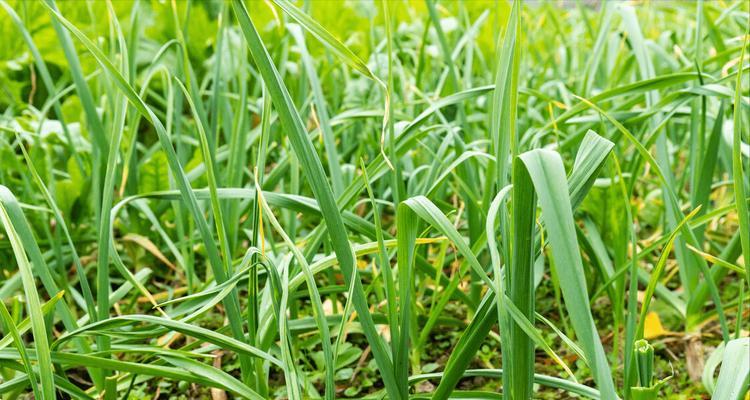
(204, 334)
(232, 302)
(504, 103)
(312, 287)
(544, 380)
(83, 281)
(519, 282)
(738, 174)
(12, 333)
(321, 112)
(24, 325)
(311, 164)
(657, 271)
(34, 306)
(343, 53)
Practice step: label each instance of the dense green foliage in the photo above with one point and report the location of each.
(393, 199)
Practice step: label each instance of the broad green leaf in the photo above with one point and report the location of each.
(734, 376)
(589, 161)
(546, 171)
(153, 174)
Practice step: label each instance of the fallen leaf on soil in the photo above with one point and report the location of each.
(653, 327)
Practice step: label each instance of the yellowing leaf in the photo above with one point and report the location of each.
(149, 246)
(653, 327)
